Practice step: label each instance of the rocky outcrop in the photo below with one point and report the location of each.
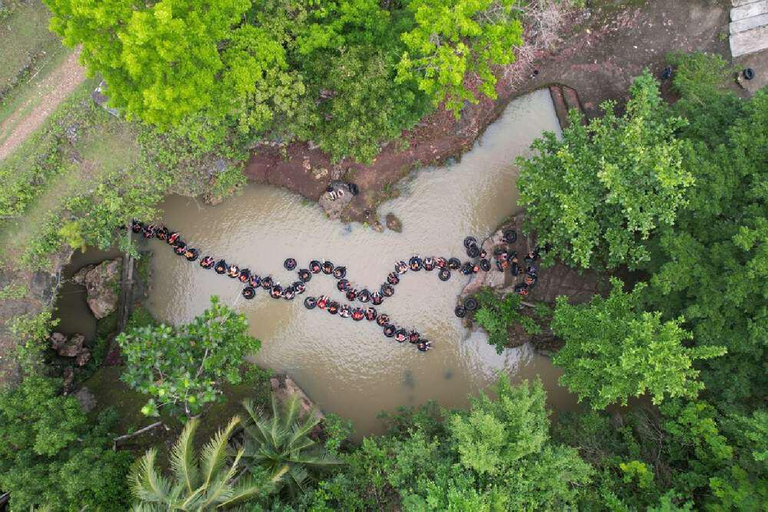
(86, 398)
(394, 223)
(336, 197)
(102, 282)
(73, 346)
(284, 387)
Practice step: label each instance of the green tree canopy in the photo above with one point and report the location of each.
(601, 191)
(51, 455)
(614, 350)
(183, 367)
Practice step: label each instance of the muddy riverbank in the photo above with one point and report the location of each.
(602, 49)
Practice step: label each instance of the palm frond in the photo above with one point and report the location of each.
(183, 457)
(215, 451)
(292, 410)
(147, 484)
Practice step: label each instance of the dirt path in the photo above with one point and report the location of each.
(53, 90)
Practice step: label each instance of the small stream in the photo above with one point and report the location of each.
(346, 367)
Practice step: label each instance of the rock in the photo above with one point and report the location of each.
(320, 173)
(71, 347)
(83, 358)
(212, 199)
(102, 283)
(377, 226)
(86, 398)
(394, 223)
(57, 340)
(68, 377)
(335, 199)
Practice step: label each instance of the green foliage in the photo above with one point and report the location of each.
(30, 333)
(456, 38)
(197, 484)
(496, 456)
(279, 444)
(601, 191)
(497, 315)
(51, 455)
(614, 350)
(183, 368)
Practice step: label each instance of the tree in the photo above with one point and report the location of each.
(497, 314)
(596, 195)
(281, 442)
(165, 61)
(51, 455)
(614, 350)
(210, 483)
(183, 368)
(453, 39)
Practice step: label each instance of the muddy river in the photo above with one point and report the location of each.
(346, 367)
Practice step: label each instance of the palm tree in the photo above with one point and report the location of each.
(282, 439)
(210, 483)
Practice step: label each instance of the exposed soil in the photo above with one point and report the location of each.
(608, 46)
(58, 85)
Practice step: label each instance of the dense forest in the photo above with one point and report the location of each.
(665, 196)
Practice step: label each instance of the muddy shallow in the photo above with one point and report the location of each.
(350, 368)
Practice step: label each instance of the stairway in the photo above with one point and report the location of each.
(749, 26)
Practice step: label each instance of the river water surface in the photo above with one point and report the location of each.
(350, 368)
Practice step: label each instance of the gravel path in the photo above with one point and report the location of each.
(53, 90)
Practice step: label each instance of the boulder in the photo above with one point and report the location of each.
(394, 223)
(86, 398)
(102, 283)
(68, 377)
(336, 197)
(69, 347)
(377, 226)
(83, 358)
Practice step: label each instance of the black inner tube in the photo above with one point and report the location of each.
(470, 304)
(339, 272)
(310, 303)
(469, 241)
(460, 311)
(510, 236)
(305, 275)
(289, 264)
(444, 274)
(454, 263)
(327, 267)
(387, 290)
(266, 282)
(315, 266)
(473, 251)
(389, 330)
(342, 285)
(249, 292)
(485, 265)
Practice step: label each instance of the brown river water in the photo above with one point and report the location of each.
(350, 368)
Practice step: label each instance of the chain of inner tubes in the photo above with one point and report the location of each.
(443, 266)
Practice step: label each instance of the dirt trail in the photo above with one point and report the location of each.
(54, 89)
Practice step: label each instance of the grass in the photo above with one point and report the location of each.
(26, 42)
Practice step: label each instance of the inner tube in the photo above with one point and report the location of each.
(191, 254)
(180, 249)
(415, 263)
(387, 290)
(383, 319)
(358, 314)
(244, 276)
(371, 314)
(376, 298)
(470, 304)
(333, 308)
(289, 264)
(401, 267)
(353, 188)
(460, 312)
(276, 291)
(221, 267)
(473, 251)
(249, 292)
(485, 265)
(429, 264)
(339, 272)
(351, 294)
(454, 263)
(510, 236)
(327, 267)
(749, 73)
(441, 262)
(414, 337)
(315, 266)
(172, 238)
(392, 278)
(136, 226)
(162, 233)
(344, 311)
(233, 271)
(149, 231)
(401, 335)
(289, 293)
(466, 268)
(322, 302)
(310, 303)
(389, 330)
(423, 346)
(254, 281)
(299, 287)
(469, 241)
(305, 275)
(266, 282)
(444, 274)
(364, 295)
(342, 285)
(206, 262)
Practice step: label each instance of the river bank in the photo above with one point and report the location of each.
(601, 49)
